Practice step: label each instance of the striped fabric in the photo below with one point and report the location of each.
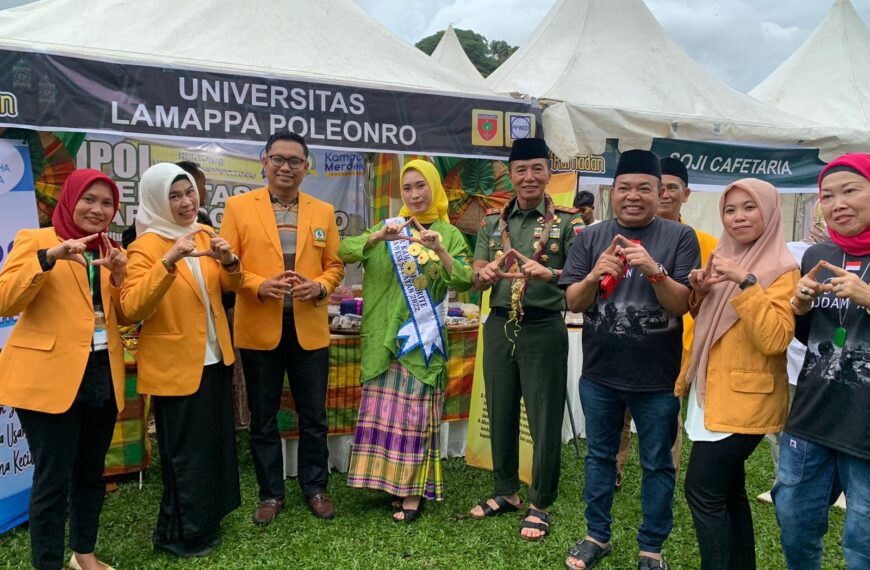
(396, 447)
(385, 177)
(130, 450)
(344, 391)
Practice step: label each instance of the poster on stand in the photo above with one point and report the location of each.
(17, 211)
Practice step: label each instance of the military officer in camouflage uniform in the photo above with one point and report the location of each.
(520, 253)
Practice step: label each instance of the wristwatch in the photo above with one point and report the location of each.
(749, 281)
(660, 276)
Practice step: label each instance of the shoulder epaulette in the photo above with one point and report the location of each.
(567, 210)
(492, 211)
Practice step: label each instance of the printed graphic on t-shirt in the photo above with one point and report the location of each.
(622, 321)
(833, 388)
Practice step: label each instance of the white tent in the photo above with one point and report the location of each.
(284, 38)
(827, 79)
(607, 69)
(449, 53)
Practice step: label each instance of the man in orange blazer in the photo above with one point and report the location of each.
(287, 242)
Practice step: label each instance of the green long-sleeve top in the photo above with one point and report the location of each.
(384, 306)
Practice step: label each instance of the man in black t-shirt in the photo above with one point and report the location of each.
(640, 264)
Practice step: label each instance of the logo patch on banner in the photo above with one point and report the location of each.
(487, 128)
(12, 170)
(8, 104)
(520, 126)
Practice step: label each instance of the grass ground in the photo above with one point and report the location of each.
(363, 536)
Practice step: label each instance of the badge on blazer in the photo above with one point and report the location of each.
(319, 235)
(538, 232)
(555, 233)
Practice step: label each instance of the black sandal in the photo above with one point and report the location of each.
(650, 563)
(588, 553)
(504, 507)
(410, 515)
(543, 526)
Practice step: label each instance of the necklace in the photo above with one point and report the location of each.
(840, 331)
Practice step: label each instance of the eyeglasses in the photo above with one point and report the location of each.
(278, 161)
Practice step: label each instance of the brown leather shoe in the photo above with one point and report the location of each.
(321, 505)
(268, 510)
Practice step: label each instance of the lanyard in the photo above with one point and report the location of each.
(89, 259)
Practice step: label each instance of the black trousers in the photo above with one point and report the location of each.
(198, 463)
(69, 455)
(716, 492)
(308, 374)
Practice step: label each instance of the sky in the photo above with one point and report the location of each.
(739, 41)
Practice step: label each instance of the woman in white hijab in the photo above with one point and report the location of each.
(176, 274)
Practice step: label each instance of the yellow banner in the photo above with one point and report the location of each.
(562, 188)
(477, 448)
(216, 166)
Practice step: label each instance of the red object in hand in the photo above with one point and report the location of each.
(608, 283)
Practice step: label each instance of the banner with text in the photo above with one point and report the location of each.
(17, 206)
(17, 211)
(713, 165)
(46, 91)
(335, 177)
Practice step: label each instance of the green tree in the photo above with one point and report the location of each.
(485, 55)
(501, 50)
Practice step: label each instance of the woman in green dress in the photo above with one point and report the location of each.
(410, 262)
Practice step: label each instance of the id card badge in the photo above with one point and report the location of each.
(101, 337)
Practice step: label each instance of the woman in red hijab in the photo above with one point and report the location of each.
(63, 367)
(825, 447)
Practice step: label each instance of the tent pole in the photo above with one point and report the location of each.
(797, 226)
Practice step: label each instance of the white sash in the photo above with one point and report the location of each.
(425, 327)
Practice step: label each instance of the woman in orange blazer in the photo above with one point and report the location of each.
(63, 366)
(177, 272)
(735, 374)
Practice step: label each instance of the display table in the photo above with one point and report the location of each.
(344, 393)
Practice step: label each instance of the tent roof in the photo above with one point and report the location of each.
(450, 54)
(333, 41)
(827, 79)
(617, 74)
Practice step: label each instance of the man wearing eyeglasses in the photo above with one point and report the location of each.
(287, 242)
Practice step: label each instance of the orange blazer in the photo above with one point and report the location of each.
(249, 226)
(173, 337)
(42, 365)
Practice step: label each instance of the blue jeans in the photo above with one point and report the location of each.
(655, 415)
(809, 479)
